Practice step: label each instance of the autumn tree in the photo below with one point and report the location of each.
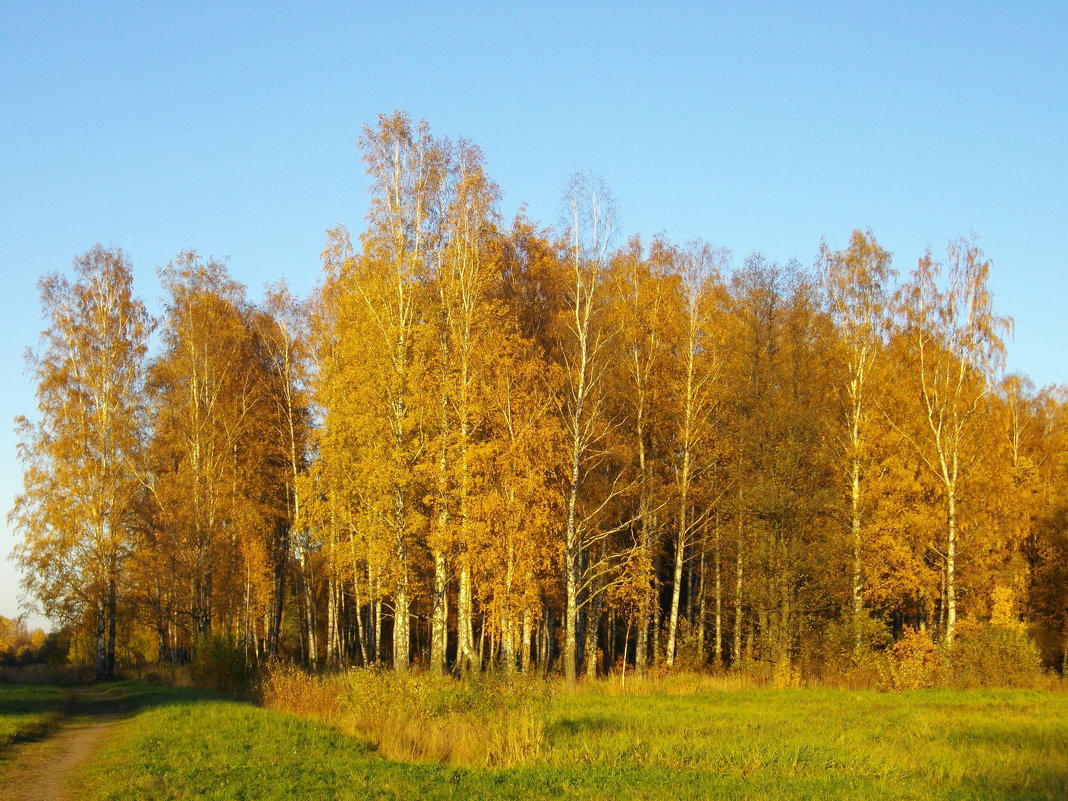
(282, 337)
(778, 390)
(695, 379)
(528, 435)
(1047, 545)
(407, 168)
(956, 347)
(583, 352)
(639, 314)
(84, 456)
(214, 486)
(518, 505)
(472, 322)
(857, 284)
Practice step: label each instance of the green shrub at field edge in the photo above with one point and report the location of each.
(220, 665)
(991, 657)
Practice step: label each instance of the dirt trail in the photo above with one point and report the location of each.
(41, 770)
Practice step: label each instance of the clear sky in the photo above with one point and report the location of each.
(230, 128)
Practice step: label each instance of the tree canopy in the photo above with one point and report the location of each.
(482, 442)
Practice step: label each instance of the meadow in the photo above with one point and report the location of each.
(659, 741)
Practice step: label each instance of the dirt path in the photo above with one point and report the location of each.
(41, 770)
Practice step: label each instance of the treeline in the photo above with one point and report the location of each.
(481, 443)
(20, 645)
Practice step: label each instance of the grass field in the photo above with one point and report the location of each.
(751, 743)
(27, 710)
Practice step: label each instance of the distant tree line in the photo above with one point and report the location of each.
(20, 645)
(482, 443)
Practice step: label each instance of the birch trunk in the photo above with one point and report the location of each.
(736, 656)
(309, 608)
(593, 624)
(951, 557)
(718, 650)
(465, 623)
(401, 626)
(524, 661)
(701, 616)
(676, 588)
(439, 616)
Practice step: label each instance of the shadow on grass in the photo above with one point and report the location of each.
(137, 696)
(29, 713)
(1048, 783)
(49, 707)
(31, 704)
(569, 727)
(1031, 736)
(31, 733)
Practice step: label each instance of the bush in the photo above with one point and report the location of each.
(914, 662)
(989, 656)
(689, 651)
(785, 675)
(849, 663)
(219, 664)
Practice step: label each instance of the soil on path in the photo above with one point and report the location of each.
(41, 770)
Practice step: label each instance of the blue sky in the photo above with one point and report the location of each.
(230, 128)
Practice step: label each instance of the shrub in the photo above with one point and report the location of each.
(689, 650)
(219, 664)
(914, 662)
(785, 675)
(993, 656)
(849, 663)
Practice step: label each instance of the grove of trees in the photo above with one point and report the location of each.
(488, 443)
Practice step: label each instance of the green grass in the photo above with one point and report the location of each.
(27, 711)
(829, 744)
(756, 744)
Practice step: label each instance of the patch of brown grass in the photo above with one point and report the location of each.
(660, 681)
(485, 720)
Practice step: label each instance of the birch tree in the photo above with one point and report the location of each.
(84, 456)
(640, 314)
(957, 347)
(407, 169)
(699, 371)
(214, 487)
(856, 280)
(583, 352)
(471, 320)
(282, 332)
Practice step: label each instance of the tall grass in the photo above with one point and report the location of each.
(42, 673)
(486, 720)
(667, 682)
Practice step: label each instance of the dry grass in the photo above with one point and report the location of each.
(486, 720)
(666, 682)
(492, 719)
(47, 674)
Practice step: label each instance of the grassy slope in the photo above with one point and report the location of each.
(745, 744)
(27, 710)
